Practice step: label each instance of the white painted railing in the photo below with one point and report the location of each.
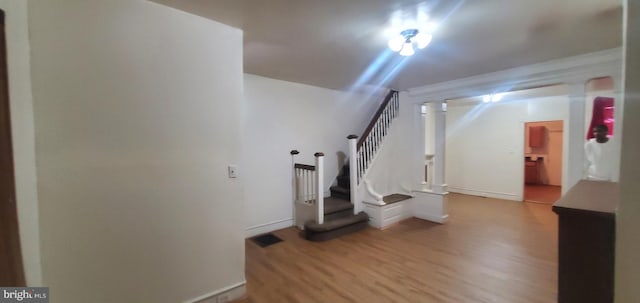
(308, 190)
(363, 151)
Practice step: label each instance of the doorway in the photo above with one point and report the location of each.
(543, 161)
(11, 271)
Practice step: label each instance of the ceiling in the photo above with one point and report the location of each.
(342, 44)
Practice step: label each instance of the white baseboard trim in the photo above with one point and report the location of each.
(432, 218)
(488, 194)
(226, 294)
(268, 227)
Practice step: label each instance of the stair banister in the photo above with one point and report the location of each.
(319, 187)
(367, 145)
(353, 173)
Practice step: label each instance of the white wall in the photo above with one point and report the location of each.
(22, 132)
(138, 112)
(282, 116)
(396, 166)
(485, 143)
(628, 226)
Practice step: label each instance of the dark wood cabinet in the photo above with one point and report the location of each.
(586, 242)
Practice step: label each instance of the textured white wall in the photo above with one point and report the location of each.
(485, 144)
(138, 112)
(21, 105)
(628, 225)
(396, 165)
(282, 116)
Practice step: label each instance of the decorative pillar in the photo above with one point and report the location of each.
(294, 193)
(319, 187)
(353, 173)
(618, 117)
(576, 135)
(439, 116)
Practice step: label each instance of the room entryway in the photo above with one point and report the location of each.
(543, 161)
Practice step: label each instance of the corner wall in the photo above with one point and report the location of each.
(138, 112)
(22, 131)
(628, 226)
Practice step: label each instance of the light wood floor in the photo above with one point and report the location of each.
(489, 251)
(540, 193)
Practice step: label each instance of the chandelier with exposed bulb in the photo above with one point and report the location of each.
(408, 38)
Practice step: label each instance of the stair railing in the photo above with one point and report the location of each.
(363, 151)
(307, 184)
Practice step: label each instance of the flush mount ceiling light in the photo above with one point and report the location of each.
(404, 42)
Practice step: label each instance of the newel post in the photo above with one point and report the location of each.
(319, 187)
(353, 173)
(294, 193)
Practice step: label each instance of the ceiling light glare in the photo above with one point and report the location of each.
(486, 98)
(396, 43)
(404, 43)
(496, 97)
(407, 49)
(422, 40)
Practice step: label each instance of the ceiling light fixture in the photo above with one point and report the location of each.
(404, 42)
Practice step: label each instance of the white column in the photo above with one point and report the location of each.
(618, 110)
(576, 136)
(319, 187)
(294, 194)
(353, 173)
(439, 116)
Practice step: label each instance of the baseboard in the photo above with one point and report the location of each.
(268, 227)
(433, 218)
(226, 294)
(488, 194)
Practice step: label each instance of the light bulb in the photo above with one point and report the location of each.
(396, 43)
(407, 49)
(422, 40)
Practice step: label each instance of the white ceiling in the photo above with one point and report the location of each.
(331, 43)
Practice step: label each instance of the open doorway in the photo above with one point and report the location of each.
(543, 161)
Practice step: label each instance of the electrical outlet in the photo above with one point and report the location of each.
(233, 173)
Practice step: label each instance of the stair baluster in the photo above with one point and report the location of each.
(308, 190)
(368, 145)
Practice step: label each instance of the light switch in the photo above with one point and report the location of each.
(233, 171)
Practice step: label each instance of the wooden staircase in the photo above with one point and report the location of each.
(327, 218)
(339, 218)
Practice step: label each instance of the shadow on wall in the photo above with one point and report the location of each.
(342, 160)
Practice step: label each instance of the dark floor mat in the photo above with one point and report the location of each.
(266, 240)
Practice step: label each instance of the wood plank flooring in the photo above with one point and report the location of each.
(540, 193)
(490, 251)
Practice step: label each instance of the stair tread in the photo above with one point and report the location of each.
(393, 198)
(336, 223)
(341, 189)
(333, 205)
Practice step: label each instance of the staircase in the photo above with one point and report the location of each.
(339, 218)
(327, 218)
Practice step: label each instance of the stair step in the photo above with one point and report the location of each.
(340, 192)
(390, 199)
(344, 181)
(334, 205)
(334, 228)
(340, 189)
